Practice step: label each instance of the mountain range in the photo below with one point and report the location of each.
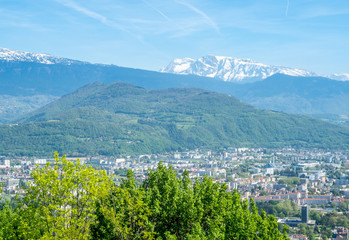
(18, 56)
(29, 81)
(120, 118)
(236, 69)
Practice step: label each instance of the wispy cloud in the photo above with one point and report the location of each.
(201, 13)
(314, 12)
(157, 10)
(177, 27)
(89, 13)
(21, 19)
(102, 19)
(287, 6)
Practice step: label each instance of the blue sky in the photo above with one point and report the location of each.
(308, 34)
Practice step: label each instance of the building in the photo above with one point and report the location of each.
(341, 233)
(295, 222)
(12, 184)
(313, 201)
(5, 164)
(305, 214)
(298, 237)
(40, 161)
(345, 192)
(342, 181)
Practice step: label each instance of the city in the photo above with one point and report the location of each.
(314, 179)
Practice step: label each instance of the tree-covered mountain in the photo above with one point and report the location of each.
(119, 118)
(35, 80)
(44, 77)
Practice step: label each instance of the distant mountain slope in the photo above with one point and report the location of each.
(11, 107)
(304, 95)
(235, 69)
(33, 78)
(25, 76)
(30, 78)
(120, 118)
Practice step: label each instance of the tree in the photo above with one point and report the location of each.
(63, 198)
(124, 214)
(71, 201)
(1, 184)
(203, 209)
(7, 220)
(16, 222)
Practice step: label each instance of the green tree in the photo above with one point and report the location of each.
(7, 222)
(18, 222)
(71, 201)
(203, 209)
(63, 198)
(124, 214)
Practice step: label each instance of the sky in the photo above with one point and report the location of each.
(148, 34)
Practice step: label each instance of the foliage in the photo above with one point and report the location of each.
(307, 230)
(8, 222)
(64, 195)
(70, 201)
(280, 209)
(292, 181)
(280, 92)
(332, 219)
(123, 119)
(59, 204)
(124, 214)
(169, 207)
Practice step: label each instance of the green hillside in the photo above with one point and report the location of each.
(120, 118)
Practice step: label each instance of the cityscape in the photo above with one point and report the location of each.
(312, 179)
(174, 120)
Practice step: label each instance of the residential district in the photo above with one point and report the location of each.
(301, 187)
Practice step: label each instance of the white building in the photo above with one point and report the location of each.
(40, 161)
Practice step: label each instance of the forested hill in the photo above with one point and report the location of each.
(40, 83)
(120, 118)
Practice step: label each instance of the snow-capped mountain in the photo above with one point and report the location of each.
(18, 56)
(339, 76)
(235, 69)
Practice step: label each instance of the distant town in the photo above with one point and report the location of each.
(310, 179)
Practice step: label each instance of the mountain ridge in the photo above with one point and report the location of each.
(20, 56)
(119, 118)
(222, 67)
(40, 83)
(237, 70)
(302, 95)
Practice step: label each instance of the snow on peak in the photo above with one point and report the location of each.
(229, 68)
(339, 76)
(18, 56)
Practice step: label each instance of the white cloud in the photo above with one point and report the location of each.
(201, 13)
(287, 6)
(157, 10)
(89, 13)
